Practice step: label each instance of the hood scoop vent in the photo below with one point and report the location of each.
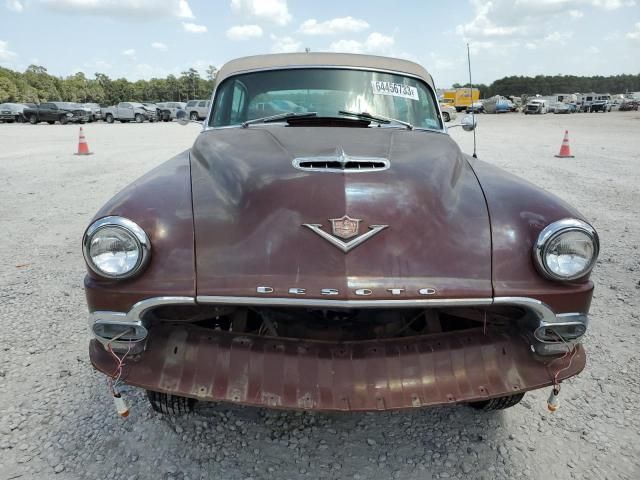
(341, 162)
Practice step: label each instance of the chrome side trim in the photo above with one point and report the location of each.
(138, 310)
(540, 309)
(324, 303)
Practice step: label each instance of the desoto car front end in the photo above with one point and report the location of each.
(339, 254)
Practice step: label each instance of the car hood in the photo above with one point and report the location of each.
(250, 205)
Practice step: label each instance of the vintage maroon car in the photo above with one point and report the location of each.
(326, 245)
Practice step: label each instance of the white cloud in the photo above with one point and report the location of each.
(333, 26)
(5, 53)
(158, 46)
(347, 46)
(612, 4)
(375, 43)
(273, 11)
(98, 65)
(559, 37)
(635, 34)
(194, 27)
(285, 45)
(498, 19)
(119, 9)
(129, 52)
(378, 43)
(14, 5)
(244, 32)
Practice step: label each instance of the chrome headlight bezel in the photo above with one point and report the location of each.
(551, 232)
(133, 229)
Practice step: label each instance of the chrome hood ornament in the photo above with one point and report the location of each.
(345, 227)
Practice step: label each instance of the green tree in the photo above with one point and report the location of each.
(8, 90)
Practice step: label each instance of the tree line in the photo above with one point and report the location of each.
(550, 84)
(36, 85)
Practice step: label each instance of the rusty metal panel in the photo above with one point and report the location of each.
(368, 375)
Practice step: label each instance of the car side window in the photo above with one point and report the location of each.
(202, 104)
(239, 102)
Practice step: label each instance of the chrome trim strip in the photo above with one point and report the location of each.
(138, 309)
(206, 127)
(324, 303)
(542, 311)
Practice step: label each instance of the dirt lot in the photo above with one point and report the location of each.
(57, 419)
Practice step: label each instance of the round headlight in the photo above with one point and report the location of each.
(566, 250)
(115, 247)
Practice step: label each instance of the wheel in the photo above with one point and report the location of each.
(63, 120)
(445, 116)
(109, 118)
(170, 404)
(33, 119)
(193, 116)
(499, 403)
(50, 122)
(139, 118)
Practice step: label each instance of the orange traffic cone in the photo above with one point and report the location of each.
(83, 147)
(565, 151)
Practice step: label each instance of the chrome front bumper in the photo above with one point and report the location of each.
(548, 333)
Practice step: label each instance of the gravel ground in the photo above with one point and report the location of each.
(57, 419)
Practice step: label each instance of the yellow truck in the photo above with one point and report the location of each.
(461, 98)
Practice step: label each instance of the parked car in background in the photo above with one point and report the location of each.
(561, 107)
(628, 105)
(448, 112)
(594, 102)
(95, 111)
(173, 107)
(476, 107)
(12, 112)
(197, 109)
(51, 112)
(536, 106)
(336, 258)
(130, 111)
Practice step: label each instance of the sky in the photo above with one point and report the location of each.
(153, 38)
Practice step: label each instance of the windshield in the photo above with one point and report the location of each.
(326, 91)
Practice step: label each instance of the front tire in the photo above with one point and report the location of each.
(63, 120)
(139, 118)
(194, 116)
(170, 404)
(446, 117)
(109, 118)
(499, 403)
(33, 119)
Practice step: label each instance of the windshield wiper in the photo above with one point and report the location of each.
(279, 116)
(376, 118)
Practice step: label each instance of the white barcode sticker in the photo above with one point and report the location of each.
(394, 89)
